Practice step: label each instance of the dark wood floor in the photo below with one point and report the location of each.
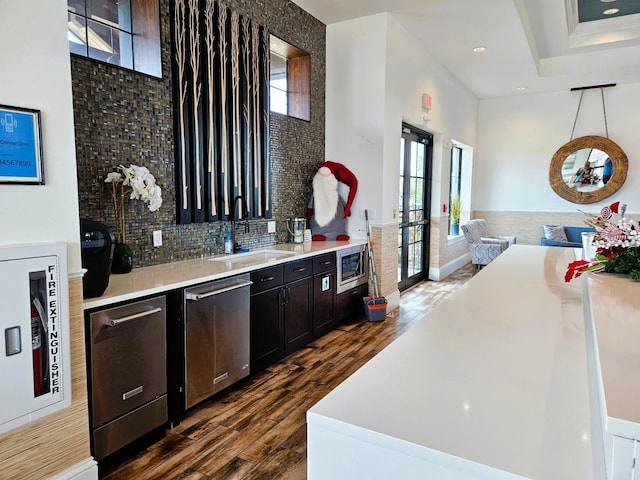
(258, 429)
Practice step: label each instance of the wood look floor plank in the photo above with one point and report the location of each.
(190, 474)
(277, 465)
(242, 418)
(174, 462)
(276, 382)
(219, 456)
(287, 405)
(236, 469)
(256, 430)
(218, 459)
(262, 447)
(154, 456)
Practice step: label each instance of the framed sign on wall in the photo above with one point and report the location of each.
(20, 146)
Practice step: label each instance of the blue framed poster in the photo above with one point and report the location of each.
(20, 146)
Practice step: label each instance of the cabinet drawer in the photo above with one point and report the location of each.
(297, 270)
(324, 263)
(267, 278)
(127, 357)
(350, 305)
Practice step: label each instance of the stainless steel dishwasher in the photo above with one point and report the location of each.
(128, 360)
(216, 336)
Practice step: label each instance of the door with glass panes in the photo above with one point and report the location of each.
(414, 206)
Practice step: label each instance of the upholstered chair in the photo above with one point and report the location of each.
(483, 246)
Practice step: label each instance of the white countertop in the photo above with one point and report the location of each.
(615, 304)
(496, 376)
(168, 276)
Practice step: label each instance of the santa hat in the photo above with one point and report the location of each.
(346, 176)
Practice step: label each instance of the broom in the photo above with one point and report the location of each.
(376, 306)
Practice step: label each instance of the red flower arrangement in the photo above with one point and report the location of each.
(617, 243)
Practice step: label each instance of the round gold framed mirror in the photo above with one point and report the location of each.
(588, 169)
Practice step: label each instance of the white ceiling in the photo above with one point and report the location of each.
(537, 44)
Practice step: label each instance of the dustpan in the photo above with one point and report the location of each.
(375, 307)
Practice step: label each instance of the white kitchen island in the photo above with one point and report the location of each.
(492, 384)
(613, 336)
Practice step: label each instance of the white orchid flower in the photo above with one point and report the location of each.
(113, 177)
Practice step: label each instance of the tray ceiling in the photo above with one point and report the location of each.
(537, 44)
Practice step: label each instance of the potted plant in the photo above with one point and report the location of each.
(455, 208)
(137, 183)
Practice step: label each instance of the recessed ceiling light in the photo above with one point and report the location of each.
(611, 11)
(479, 49)
(607, 1)
(521, 89)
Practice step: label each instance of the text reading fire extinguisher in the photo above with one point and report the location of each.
(37, 344)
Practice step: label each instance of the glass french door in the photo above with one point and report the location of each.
(414, 206)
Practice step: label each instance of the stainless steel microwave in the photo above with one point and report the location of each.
(353, 267)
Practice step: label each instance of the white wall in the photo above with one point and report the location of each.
(355, 93)
(376, 75)
(518, 136)
(411, 72)
(36, 74)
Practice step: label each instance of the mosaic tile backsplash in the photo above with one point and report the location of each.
(124, 117)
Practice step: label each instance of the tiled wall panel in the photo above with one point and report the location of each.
(123, 117)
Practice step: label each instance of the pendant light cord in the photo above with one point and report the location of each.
(604, 112)
(577, 113)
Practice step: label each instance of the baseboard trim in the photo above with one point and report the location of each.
(446, 270)
(393, 300)
(86, 470)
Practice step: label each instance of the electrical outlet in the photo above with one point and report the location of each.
(271, 226)
(157, 238)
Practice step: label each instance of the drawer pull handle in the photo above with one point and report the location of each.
(220, 378)
(326, 262)
(200, 296)
(267, 279)
(114, 322)
(301, 269)
(132, 393)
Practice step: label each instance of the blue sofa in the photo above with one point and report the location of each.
(573, 234)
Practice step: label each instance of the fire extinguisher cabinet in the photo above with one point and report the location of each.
(34, 333)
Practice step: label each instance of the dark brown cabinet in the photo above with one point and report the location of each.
(281, 311)
(298, 303)
(324, 294)
(294, 303)
(350, 304)
(266, 331)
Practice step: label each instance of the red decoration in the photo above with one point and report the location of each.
(346, 176)
(614, 207)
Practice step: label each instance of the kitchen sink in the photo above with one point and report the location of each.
(252, 258)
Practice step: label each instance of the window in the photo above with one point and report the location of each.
(278, 83)
(119, 32)
(289, 79)
(460, 185)
(455, 190)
